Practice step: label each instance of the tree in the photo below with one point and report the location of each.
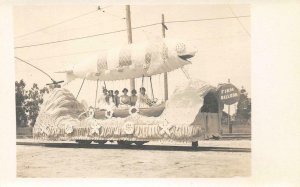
(28, 103)
(21, 117)
(244, 107)
(32, 105)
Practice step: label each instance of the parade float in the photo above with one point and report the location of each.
(192, 113)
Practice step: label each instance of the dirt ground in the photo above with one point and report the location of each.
(212, 159)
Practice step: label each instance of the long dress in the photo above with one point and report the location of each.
(124, 101)
(117, 100)
(143, 101)
(102, 101)
(111, 105)
(133, 100)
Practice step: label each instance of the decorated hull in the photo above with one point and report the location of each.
(182, 119)
(153, 111)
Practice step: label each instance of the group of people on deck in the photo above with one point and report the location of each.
(111, 99)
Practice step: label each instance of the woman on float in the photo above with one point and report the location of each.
(124, 99)
(110, 100)
(117, 98)
(133, 97)
(143, 100)
(103, 99)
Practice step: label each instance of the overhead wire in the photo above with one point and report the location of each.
(59, 23)
(83, 28)
(122, 30)
(70, 39)
(91, 25)
(205, 19)
(239, 21)
(113, 15)
(68, 54)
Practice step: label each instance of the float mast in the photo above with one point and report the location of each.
(129, 33)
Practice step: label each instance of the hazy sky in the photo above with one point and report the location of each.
(223, 45)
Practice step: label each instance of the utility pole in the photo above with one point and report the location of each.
(229, 124)
(164, 27)
(129, 33)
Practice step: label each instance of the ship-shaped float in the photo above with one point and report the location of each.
(192, 113)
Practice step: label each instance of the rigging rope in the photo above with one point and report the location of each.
(185, 73)
(80, 87)
(151, 88)
(36, 68)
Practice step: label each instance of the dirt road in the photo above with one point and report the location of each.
(211, 159)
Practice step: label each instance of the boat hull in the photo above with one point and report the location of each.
(154, 111)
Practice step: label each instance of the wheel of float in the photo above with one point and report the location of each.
(101, 142)
(124, 143)
(109, 113)
(120, 142)
(133, 110)
(195, 144)
(140, 143)
(84, 142)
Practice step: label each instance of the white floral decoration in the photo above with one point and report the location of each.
(91, 113)
(45, 129)
(165, 128)
(109, 113)
(95, 127)
(68, 128)
(129, 127)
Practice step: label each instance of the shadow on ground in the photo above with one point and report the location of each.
(134, 147)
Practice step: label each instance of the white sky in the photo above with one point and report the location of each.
(223, 45)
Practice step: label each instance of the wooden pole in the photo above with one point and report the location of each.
(96, 93)
(229, 124)
(129, 33)
(165, 74)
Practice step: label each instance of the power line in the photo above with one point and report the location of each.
(207, 19)
(59, 23)
(68, 54)
(122, 30)
(66, 40)
(113, 15)
(85, 27)
(239, 21)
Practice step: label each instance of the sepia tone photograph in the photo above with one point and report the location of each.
(133, 91)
